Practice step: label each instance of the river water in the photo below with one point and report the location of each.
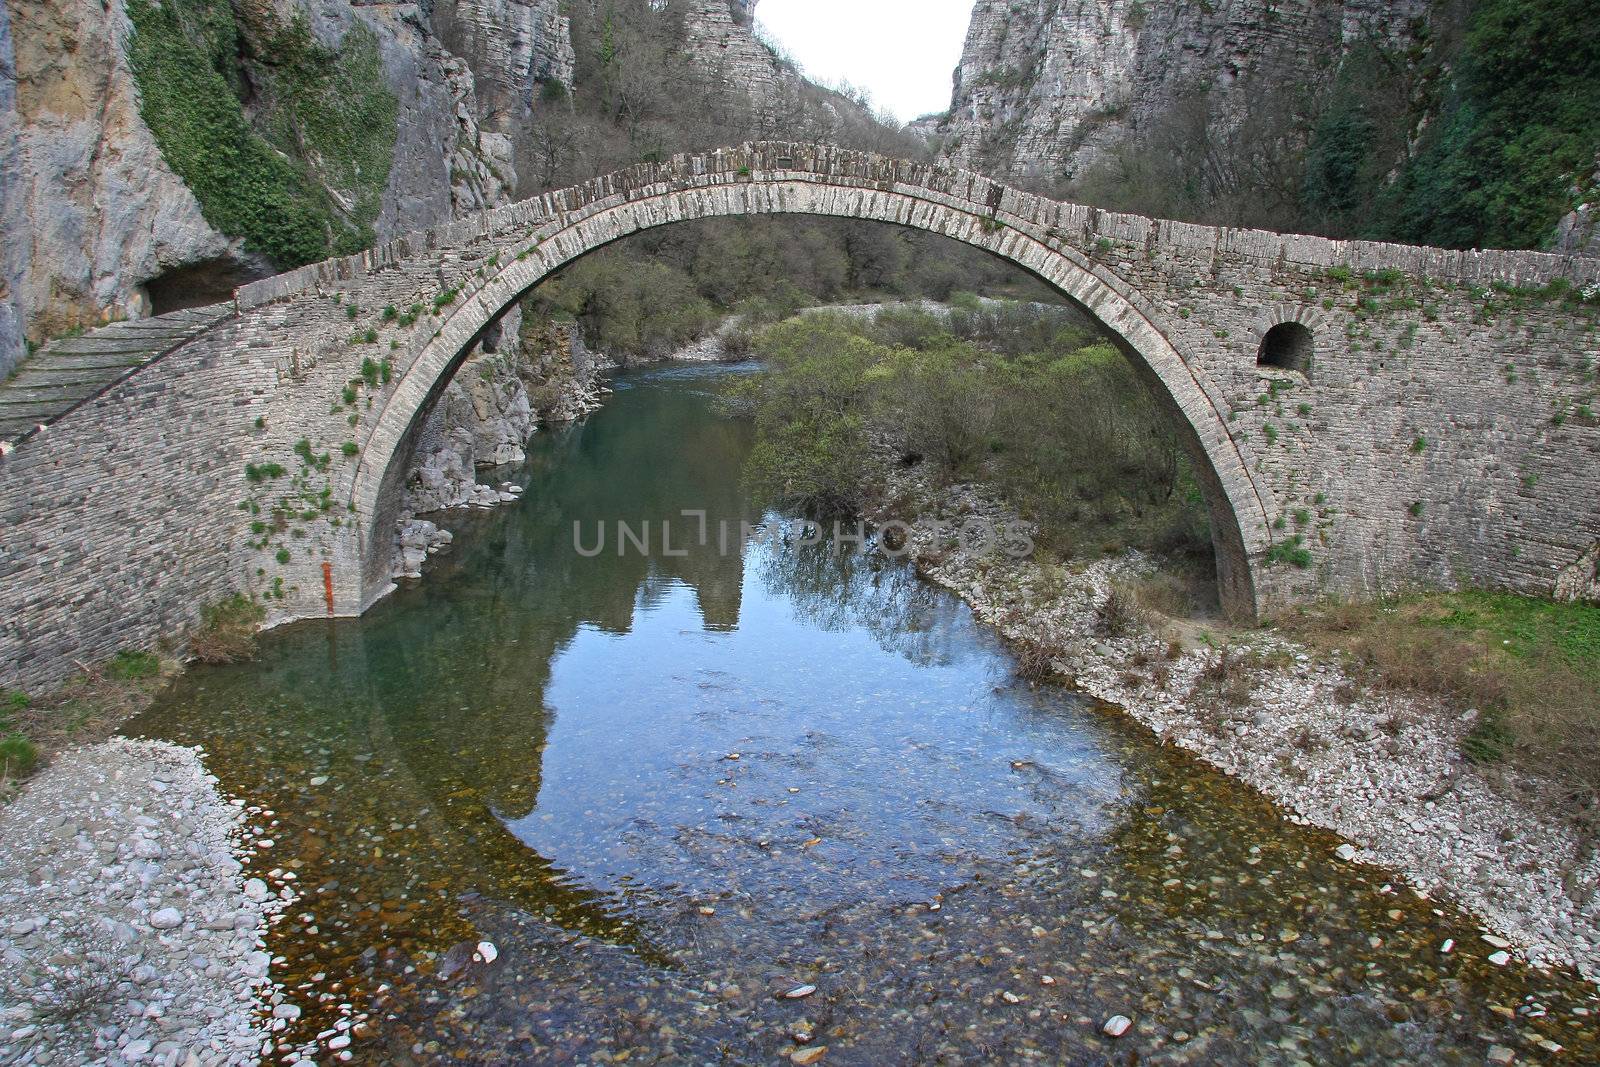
(669, 789)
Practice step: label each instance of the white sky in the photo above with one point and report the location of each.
(900, 51)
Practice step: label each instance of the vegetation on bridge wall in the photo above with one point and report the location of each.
(285, 143)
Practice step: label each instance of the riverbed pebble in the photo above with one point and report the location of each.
(128, 948)
(1382, 769)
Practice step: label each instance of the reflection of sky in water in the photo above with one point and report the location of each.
(899, 739)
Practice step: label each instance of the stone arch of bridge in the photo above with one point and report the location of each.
(1237, 508)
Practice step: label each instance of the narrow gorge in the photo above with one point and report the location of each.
(545, 531)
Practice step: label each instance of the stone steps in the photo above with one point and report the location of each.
(69, 370)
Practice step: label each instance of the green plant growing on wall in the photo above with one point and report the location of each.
(257, 473)
(1292, 551)
(302, 448)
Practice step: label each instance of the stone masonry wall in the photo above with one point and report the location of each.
(1446, 432)
(117, 523)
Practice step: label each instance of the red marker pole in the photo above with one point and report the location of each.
(327, 584)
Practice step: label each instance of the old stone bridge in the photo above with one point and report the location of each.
(1363, 415)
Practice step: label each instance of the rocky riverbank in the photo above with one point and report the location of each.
(1382, 770)
(131, 933)
(524, 375)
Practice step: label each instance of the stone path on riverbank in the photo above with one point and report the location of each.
(130, 933)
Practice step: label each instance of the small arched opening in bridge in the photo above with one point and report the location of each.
(1236, 508)
(1287, 346)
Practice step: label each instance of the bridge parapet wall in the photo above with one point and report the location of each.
(1444, 431)
(1075, 225)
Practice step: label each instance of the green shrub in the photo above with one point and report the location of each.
(130, 665)
(261, 472)
(1494, 168)
(1291, 551)
(1022, 398)
(18, 756)
(321, 119)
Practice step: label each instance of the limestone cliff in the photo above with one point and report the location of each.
(90, 208)
(1439, 122)
(524, 375)
(1050, 87)
(158, 152)
(98, 223)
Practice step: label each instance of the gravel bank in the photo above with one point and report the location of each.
(129, 932)
(1381, 770)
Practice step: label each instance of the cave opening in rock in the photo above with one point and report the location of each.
(199, 284)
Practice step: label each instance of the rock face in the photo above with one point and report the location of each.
(511, 46)
(1579, 229)
(496, 54)
(90, 210)
(521, 376)
(1048, 87)
(98, 226)
(720, 37)
(1580, 580)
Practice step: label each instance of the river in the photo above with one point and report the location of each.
(669, 789)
